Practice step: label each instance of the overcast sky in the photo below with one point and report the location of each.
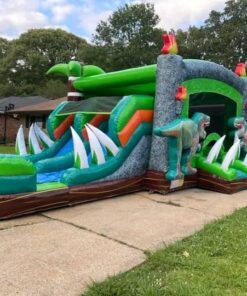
(81, 16)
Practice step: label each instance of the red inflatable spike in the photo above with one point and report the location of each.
(170, 44)
(181, 93)
(241, 70)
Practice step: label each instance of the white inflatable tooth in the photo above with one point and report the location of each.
(104, 139)
(80, 153)
(245, 160)
(33, 141)
(230, 155)
(96, 149)
(20, 146)
(236, 138)
(215, 150)
(42, 136)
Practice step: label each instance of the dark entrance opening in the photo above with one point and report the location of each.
(218, 107)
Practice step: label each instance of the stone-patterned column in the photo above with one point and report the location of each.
(170, 74)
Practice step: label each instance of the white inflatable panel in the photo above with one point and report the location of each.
(96, 149)
(79, 150)
(230, 155)
(42, 135)
(245, 160)
(20, 146)
(104, 139)
(215, 150)
(33, 141)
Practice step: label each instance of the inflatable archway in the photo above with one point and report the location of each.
(206, 85)
(147, 128)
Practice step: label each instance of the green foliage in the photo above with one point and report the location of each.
(4, 149)
(211, 262)
(222, 39)
(128, 38)
(227, 34)
(23, 68)
(4, 46)
(52, 89)
(190, 43)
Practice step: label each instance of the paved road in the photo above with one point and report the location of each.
(60, 252)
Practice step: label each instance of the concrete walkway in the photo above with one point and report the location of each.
(60, 252)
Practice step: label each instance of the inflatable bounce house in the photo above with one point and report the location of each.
(173, 125)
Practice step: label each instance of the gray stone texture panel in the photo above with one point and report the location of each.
(170, 74)
(206, 69)
(136, 164)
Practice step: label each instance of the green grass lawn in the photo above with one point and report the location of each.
(7, 149)
(211, 262)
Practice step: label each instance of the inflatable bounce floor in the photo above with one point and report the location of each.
(173, 125)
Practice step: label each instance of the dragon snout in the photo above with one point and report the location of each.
(239, 125)
(205, 124)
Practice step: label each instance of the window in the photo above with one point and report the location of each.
(40, 120)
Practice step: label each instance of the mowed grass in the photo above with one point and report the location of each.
(7, 149)
(211, 262)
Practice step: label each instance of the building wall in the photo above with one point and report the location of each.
(12, 127)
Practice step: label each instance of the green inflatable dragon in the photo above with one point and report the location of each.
(184, 137)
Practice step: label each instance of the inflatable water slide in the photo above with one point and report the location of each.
(164, 127)
(101, 140)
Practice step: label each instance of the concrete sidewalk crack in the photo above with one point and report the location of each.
(95, 232)
(22, 225)
(169, 203)
(174, 204)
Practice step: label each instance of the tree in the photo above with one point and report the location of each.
(226, 34)
(191, 43)
(4, 46)
(98, 55)
(128, 38)
(222, 38)
(53, 89)
(23, 68)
